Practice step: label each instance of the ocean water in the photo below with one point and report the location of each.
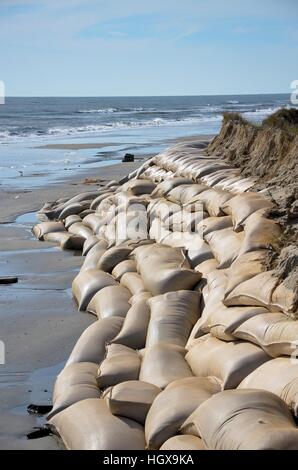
(140, 125)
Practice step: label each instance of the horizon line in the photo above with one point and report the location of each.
(144, 96)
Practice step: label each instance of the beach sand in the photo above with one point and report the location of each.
(39, 321)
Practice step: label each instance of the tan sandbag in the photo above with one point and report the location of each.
(86, 212)
(212, 224)
(285, 298)
(174, 405)
(138, 186)
(244, 420)
(192, 244)
(75, 382)
(255, 291)
(132, 399)
(274, 332)
(173, 315)
(206, 267)
(91, 345)
(57, 237)
(164, 209)
(120, 364)
(134, 331)
(157, 231)
(243, 205)
(245, 267)
(111, 301)
(93, 221)
(166, 186)
(260, 233)
(89, 243)
(278, 376)
(223, 321)
(163, 363)
(171, 269)
(229, 362)
(73, 208)
(213, 201)
(95, 203)
(40, 230)
(87, 283)
(73, 242)
(183, 193)
(89, 425)
(126, 266)
(141, 296)
(183, 221)
(112, 257)
(71, 219)
(133, 282)
(94, 255)
(225, 245)
(183, 443)
(78, 228)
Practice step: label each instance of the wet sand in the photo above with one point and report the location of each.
(39, 321)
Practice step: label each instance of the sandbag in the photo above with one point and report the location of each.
(213, 201)
(75, 382)
(173, 315)
(274, 332)
(174, 405)
(71, 219)
(225, 245)
(93, 221)
(127, 266)
(40, 230)
(94, 255)
(166, 186)
(245, 420)
(72, 242)
(285, 298)
(245, 267)
(132, 399)
(86, 212)
(133, 282)
(229, 362)
(243, 205)
(89, 425)
(183, 221)
(170, 267)
(91, 345)
(206, 267)
(134, 331)
(163, 363)
(255, 291)
(120, 364)
(193, 245)
(89, 243)
(141, 296)
(278, 376)
(183, 443)
(73, 208)
(183, 193)
(95, 203)
(112, 257)
(78, 228)
(260, 233)
(87, 283)
(212, 224)
(223, 321)
(138, 186)
(157, 231)
(111, 301)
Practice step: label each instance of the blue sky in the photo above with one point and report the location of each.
(147, 47)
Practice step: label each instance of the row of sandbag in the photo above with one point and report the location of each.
(227, 363)
(186, 159)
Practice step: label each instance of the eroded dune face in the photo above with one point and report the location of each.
(191, 317)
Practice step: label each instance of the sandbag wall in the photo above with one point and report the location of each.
(194, 339)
